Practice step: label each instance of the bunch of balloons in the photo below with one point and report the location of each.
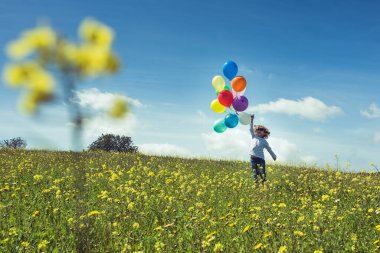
(230, 98)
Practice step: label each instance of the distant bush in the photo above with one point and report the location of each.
(111, 142)
(14, 143)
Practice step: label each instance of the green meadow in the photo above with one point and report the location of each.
(111, 202)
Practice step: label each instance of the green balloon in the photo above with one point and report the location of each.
(219, 126)
(226, 87)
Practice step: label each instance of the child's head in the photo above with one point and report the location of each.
(262, 131)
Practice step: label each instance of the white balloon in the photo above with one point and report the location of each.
(244, 118)
(238, 94)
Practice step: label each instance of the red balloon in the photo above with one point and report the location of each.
(226, 98)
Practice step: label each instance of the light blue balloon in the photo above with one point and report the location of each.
(231, 120)
(219, 126)
(230, 69)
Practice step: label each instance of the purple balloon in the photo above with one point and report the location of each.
(240, 103)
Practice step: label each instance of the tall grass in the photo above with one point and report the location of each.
(109, 202)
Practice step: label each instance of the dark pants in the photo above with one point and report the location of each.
(258, 168)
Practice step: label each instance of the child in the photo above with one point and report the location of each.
(259, 135)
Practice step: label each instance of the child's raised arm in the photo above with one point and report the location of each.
(251, 126)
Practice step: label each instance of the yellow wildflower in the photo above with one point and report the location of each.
(258, 246)
(325, 197)
(96, 33)
(119, 109)
(301, 218)
(19, 49)
(266, 235)
(40, 37)
(218, 247)
(299, 233)
(31, 40)
(41, 82)
(282, 249)
(38, 178)
(159, 246)
(19, 74)
(246, 229)
(205, 244)
(95, 212)
(130, 205)
(35, 213)
(42, 245)
(25, 244)
(92, 60)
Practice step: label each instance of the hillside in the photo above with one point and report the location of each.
(108, 202)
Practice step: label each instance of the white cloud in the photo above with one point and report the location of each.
(308, 107)
(163, 149)
(373, 112)
(102, 124)
(100, 101)
(376, 137)
(235, 144)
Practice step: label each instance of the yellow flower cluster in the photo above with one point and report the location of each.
(41, 49)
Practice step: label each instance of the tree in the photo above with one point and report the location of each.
(111, 142)
(14, 143)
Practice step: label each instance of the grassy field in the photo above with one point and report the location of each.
(104, 202)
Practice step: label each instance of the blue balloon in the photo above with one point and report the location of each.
(230, 69)
(231, 120)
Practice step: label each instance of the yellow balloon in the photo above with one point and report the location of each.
(218, 83)
(217, 107)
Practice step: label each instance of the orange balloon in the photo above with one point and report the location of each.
(238, 83)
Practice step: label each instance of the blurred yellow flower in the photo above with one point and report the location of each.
(94, 32)
(119, 108)
(378, 227)
(19, 49)
(20, 74)
(92, 60)
(282, 249)
(41, 82)
(40, 38)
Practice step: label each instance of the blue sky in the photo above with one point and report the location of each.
(312, 71)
